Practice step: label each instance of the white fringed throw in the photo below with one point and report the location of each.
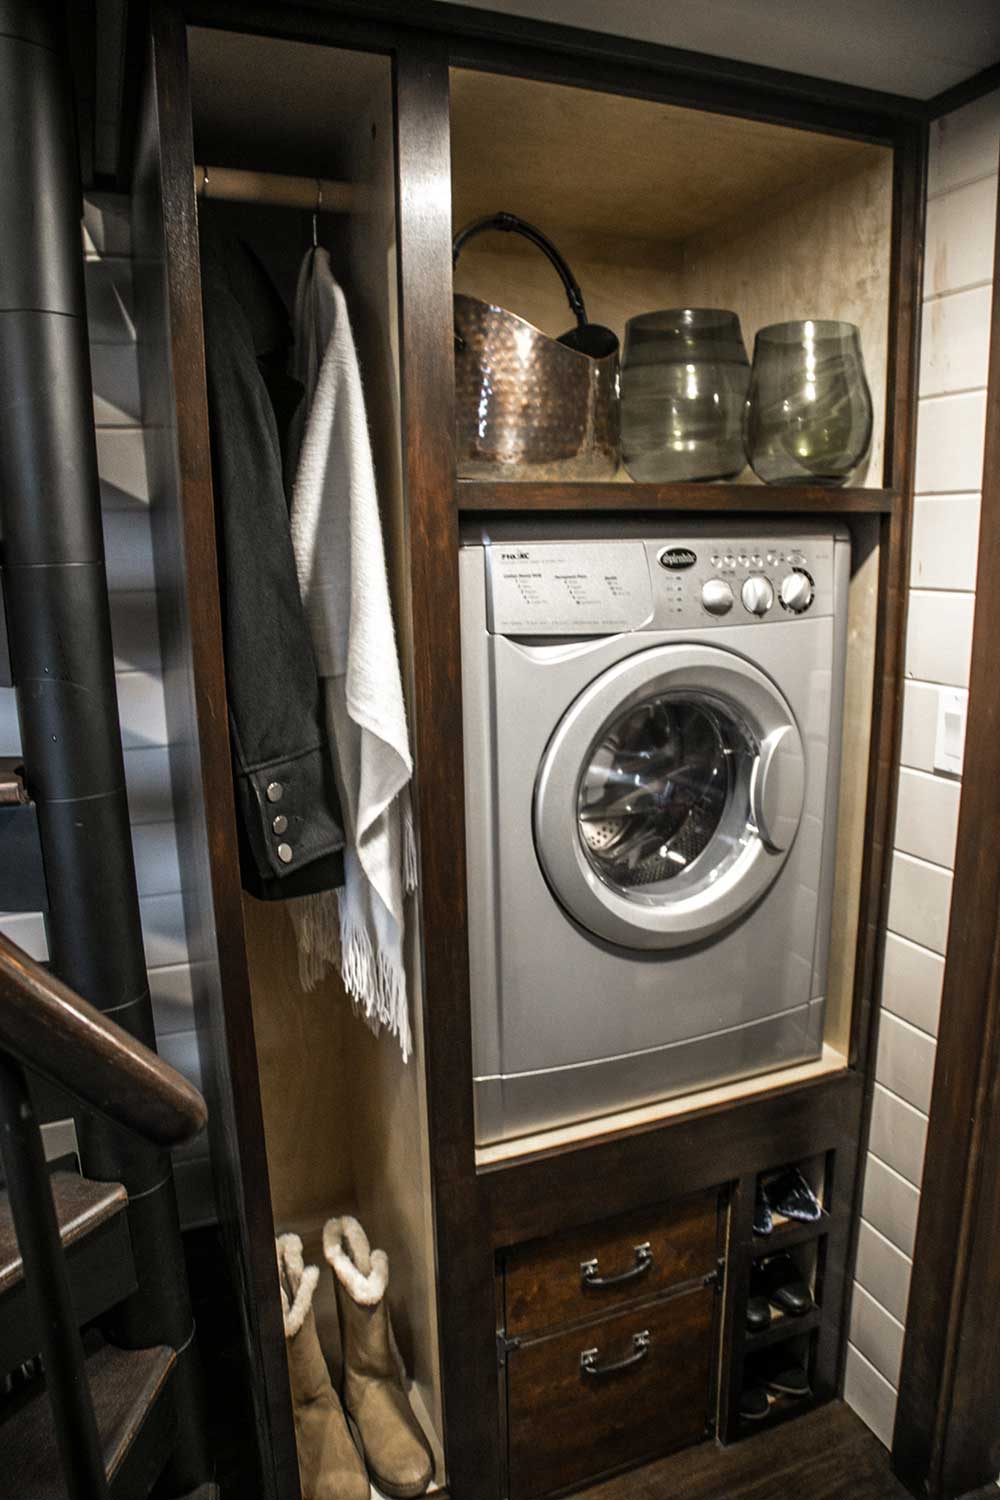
(337, 537)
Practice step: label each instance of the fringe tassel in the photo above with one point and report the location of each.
(409, 843)
(316, 920)
(328, 939)
(376, 987)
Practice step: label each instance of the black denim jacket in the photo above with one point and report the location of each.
(288, 810)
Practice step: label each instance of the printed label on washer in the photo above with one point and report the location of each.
(568, 588)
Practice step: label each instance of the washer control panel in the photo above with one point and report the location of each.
(604, 587)
(744, 582)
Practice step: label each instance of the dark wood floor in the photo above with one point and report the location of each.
(827, 1455)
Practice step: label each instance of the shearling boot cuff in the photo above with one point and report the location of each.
(362, 1271)
(298, 1283)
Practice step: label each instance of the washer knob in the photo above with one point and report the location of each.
(797, 591)
(758, 595)
(717, 596)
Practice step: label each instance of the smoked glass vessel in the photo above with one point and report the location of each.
(685, 375)
(809, 413)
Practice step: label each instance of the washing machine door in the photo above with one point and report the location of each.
(669, 796)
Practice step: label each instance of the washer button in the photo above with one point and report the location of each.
(717, 596)
(797, 591)
(758, 595)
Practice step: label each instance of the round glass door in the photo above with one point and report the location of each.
(664, 798)
(669, 796)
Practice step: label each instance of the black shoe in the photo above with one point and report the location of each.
(790, 1195)
(763, 1222)
(785, 1288)
(754, 1405)
(783, 1374)
(758, 1307)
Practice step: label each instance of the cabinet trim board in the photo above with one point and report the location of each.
(168, 293)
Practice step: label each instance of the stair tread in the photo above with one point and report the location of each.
(81, 1205)
(124, 1385)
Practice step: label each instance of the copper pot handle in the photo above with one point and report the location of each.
(511, 224)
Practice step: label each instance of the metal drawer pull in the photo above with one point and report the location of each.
(643, 1263)
(640, 1349)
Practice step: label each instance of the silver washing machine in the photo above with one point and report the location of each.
(652, 752)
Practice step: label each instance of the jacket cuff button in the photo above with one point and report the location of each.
(279, 824)
(275, 791)
(285, 853)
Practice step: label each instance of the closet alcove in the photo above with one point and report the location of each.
(344, 1118)
(661, 190)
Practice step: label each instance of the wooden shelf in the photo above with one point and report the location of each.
(791, 1232)
(783, 1328)
(783, 1409)
(476, 495)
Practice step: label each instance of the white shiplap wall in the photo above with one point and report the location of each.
(125, 503)
(961, 220)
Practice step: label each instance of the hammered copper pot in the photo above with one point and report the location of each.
(530, 406)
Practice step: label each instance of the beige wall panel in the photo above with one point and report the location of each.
(528, 285)
(386, 1101)
(300, 1057)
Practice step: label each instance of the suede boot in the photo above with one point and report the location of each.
(397, 1453)
(330, 1466)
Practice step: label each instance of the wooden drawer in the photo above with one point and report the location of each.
(567, 1425)
(557, 1281)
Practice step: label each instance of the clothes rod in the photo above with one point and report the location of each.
(314, 193)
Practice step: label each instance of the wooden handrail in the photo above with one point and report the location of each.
(53, 1031)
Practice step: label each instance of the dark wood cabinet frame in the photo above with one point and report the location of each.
(947, 1436)
(172, 373)
(477, 1213)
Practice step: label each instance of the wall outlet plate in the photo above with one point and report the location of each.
(949, 739)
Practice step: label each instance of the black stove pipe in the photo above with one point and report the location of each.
(61, 652)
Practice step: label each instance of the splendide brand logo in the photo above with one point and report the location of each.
(514, 556)
(677, 558)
